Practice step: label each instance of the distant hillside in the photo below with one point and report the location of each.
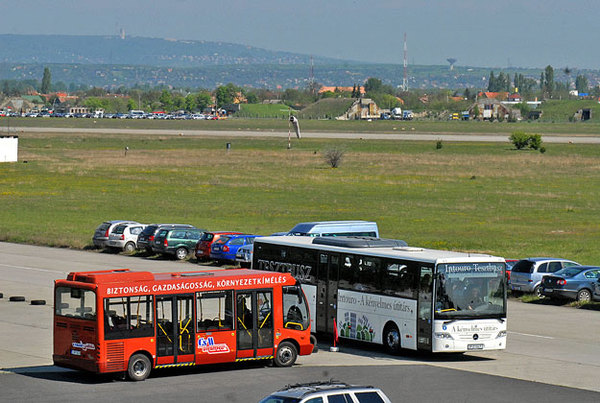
(112, 62)
(68, 49)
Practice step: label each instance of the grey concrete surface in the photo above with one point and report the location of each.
(548, 344)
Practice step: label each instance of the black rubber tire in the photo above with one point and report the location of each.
(584, 295)
(16, 298)
(313, 340)
(38, 302)
(1, 295)
(537, 291)
(139, 367)
(286, 355)
(391, 339)
(181, 253)
(129, 247)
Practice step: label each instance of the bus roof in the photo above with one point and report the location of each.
(379, 248)
(306, 227)
(126, 275)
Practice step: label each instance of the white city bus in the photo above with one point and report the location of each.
(383, 291)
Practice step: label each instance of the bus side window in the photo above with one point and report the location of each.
(214, 311)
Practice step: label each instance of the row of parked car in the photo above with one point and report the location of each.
(554, 278)
(179, 240)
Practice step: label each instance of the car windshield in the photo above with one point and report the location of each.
(468, 290)
(150, 230)
(279, 399)
(523, 266)
(207, 236)
(568, 272)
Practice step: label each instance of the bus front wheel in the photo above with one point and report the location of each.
(286, 355)
(391, 339)
(139, 367)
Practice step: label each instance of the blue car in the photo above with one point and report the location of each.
(225, 248)
(576, 283)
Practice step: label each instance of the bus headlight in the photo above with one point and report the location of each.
(443, 335)
(501, 334)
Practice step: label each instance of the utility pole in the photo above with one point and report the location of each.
(405, 78)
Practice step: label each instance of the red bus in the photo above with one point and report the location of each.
(131, 322)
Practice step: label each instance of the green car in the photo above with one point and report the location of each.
(176, 241)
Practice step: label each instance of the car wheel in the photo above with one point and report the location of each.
(129, 247)
(584, 295)
(181, 253)
(391, 339)
(537, 291)
(286, 355)
(139, 367)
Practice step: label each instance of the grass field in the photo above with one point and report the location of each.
(464, 196)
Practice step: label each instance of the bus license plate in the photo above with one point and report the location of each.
(478, 346)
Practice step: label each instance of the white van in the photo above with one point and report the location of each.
(335, 228)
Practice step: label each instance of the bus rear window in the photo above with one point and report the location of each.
(75, 303)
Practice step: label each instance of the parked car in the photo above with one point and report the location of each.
(330, 391)
(202, 249)
(575, 283)
(102, 232)
(225, 248)
(177, 241)
(526, 275)
(124, 237)
(596, 291)
(244, 255)
(146, 238)
(509, 265)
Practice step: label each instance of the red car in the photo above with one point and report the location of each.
(202, 251)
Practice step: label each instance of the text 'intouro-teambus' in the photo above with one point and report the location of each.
(383, 291)
(131, 322)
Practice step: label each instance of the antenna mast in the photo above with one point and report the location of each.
(405, 78)
(311, 80)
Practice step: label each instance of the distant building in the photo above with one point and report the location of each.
(341, 89)
(491, 109)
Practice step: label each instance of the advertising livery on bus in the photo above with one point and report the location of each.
(126, 321)
(382, 291)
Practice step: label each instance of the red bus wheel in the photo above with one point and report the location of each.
(139, 367)
(286, 355)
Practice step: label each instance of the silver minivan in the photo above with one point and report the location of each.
(526, 275)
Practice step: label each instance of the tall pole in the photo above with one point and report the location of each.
(405, 78)
(289, 128)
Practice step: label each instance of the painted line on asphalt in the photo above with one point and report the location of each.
(32, 268)
(533, 335)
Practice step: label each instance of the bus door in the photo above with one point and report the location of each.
(175, 329)
(424, 320)
(254, 324)
(215, 335)
(327, 291)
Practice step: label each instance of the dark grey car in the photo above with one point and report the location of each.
(146, 238)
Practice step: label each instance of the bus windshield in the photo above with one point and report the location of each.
(75, 303)
(470, 290)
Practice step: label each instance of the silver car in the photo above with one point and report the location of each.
(124, 237)
(244, 255)
(101, 234)
(330, 391)
(527, 274)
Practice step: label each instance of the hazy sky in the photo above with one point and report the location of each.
(488, 33)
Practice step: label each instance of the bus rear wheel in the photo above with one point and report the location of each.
(286, 355)
(391, 339)
(139, 367)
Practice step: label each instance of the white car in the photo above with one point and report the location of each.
(124, 237)
(330, 391)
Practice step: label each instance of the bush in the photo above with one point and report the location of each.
(522, 140)
(333, 157)
(519, 139)
(438, 145)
